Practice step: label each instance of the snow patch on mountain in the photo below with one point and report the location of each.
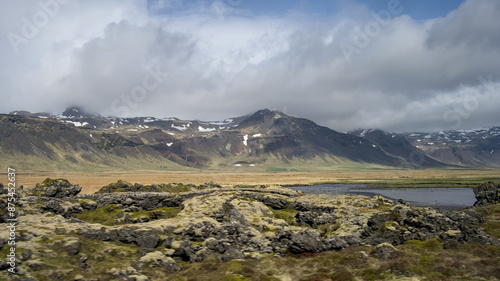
(201, 129)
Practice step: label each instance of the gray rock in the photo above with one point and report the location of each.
(147, 240)
(186, 252)
(233, 253)
(229, 213)
(72, 246)
(306, 241)
(487, 194)
(53, 206)
(89, 205)
(314, 219)
(308, 217)
(59, 207)
(59, 188)
(273, 202)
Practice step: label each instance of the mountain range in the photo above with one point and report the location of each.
(266, 139)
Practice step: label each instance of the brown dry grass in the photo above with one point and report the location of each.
(92, 182)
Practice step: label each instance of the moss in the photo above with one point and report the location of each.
(123, 186)
(342, 274)
(50, 182)
(431, 245)
(491, 228)
(287, 215)
(103, 215)
(389, 225)
(491, 215)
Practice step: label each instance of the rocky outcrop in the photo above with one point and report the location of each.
(58, 188)
(226, 224)
(404, 223)
(487, 194)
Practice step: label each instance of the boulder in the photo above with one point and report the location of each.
(186, 251)
(71, 246)
(88, 205)
(306, 241)
(271, 201)
(314, 219)
(233, 253)
(59, 207)
(58, 188)
(487, 194)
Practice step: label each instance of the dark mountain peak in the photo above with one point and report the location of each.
(263, 116)
(266, 113)
(77, 112)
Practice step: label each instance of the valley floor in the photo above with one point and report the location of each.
(92, 182)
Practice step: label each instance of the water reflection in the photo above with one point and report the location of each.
(443, 198)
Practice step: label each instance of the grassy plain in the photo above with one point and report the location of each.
(92, 182)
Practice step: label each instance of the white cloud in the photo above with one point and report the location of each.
(95, 53)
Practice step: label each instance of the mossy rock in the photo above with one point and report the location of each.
(58, 188)
(123, 186)
(51, 182)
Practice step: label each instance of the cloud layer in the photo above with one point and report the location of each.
(213, 60)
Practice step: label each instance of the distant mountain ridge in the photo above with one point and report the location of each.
(79, 140)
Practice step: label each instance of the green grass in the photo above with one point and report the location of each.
(415, 182)
(103, 215)
(491, 215)
(426, 260)
(101, 256)
(287, 215)
(277, 169)
(49, 182)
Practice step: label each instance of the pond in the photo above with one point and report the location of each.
(442, 198)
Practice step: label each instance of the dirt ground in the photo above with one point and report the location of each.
(93, 182)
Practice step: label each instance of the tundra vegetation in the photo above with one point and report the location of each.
(181, 231)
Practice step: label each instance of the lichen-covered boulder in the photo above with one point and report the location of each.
(57, 188)
(487, 194)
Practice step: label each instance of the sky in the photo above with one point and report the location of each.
(397, 65)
